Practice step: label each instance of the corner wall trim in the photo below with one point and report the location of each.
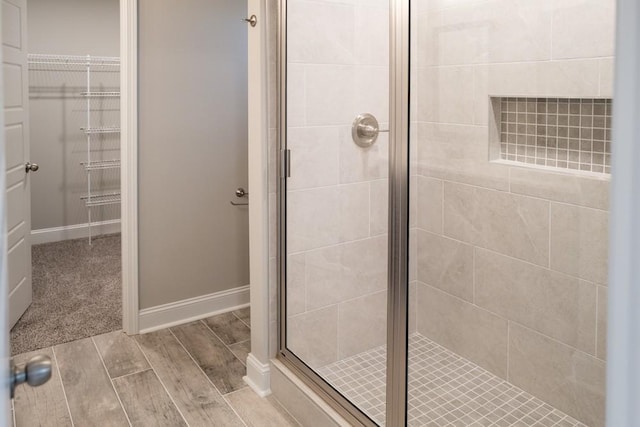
(129, 162)
(76, 231)
(258, 376)
(189, 310)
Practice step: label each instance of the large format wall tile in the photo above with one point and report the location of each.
(313, 336)
(346, 271)
(359, 164)
(330, 95)
(327, 38)
(579, 242)
(327, 216)
(445, 95)
(570, 78)
(429, 204)
(379, 207)
(459, 153)
(583, 29)
(314, 157)
(469, 331)
(570, 380)
(445, 264)
(296, 284)
(362, 324)
(552, 303)
(561, 187)
(601, 346)
(506, 223)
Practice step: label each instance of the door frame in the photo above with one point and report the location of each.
(623, 347)
(398, 242)
(129, 163)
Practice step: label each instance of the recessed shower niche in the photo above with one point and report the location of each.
(561, 133)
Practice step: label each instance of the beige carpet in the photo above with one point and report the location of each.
(77, 293)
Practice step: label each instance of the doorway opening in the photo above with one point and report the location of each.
(73, 263)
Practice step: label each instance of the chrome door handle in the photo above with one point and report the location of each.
(252, 20)
(31, 167)
(35, 372)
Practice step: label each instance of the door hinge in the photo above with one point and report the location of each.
(285, 163)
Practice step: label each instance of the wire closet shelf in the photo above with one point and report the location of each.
(87, 64)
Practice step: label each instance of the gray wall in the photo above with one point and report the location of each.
(192, 148)
(71, 27)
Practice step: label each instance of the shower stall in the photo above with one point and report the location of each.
(443, 208)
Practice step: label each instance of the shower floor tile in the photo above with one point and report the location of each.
(444, 390)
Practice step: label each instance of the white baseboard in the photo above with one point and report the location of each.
(189, 310)
(76, 231)
(258, 376)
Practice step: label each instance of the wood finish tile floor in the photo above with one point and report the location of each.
(189, 375)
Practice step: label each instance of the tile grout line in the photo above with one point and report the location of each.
(64, 392)
(161, 382)
(206, 376)
(227, 346)
(113, 387)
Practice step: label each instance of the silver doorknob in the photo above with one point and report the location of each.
(31, 167)
(252, 20)
(241, 193)
(37, 371)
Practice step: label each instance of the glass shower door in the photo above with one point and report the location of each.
(336, 197)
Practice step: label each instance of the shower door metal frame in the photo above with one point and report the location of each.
(398, 240)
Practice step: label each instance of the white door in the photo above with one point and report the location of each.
(16, 131)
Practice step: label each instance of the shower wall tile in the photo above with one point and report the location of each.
(372, 92)
(573, 29)
(359, 164)
(372, 47)
(571, 380)
(445, 264)
(362, 324)
(429, 204)
(503, 222)
(518, 30)
(379, 200)
(601, 351)
(413, 307)
(493, 31)
(438, 45)
(561, 187)
(313, 336)
(468, 330)
(339, 273)
(579, 242)
(413, 254)
(328, 38)
(296, 284)
(314, 152)
(296, 96)
(330, 95)
(445, 95)
(606, 77)
(559, 79)
(460, 154)
(552, 303)
(327, 216)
